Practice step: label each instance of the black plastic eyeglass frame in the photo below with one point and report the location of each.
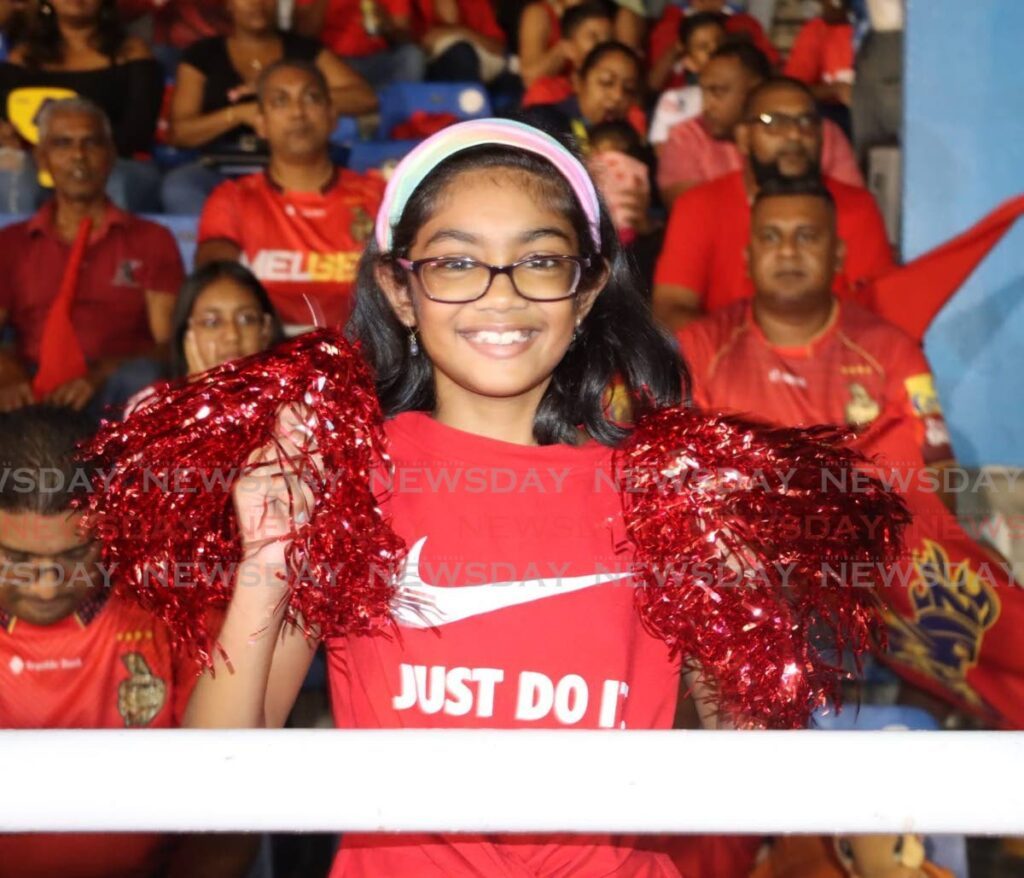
(414, 267)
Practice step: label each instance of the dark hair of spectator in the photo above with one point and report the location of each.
(44, 43)
(195, 284)
(750, 57)
(619, 129)
(795, 187)
(693, 23)
(601, 51)
(575, 16)
(37, 453)
(618, 338)
(307, 67)
(777, 82)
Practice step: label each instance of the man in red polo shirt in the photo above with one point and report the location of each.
(795, 354)
(701, 267)
(303, 224)
(127, 281)
(374, 37)
(75, 656)
(703, 148)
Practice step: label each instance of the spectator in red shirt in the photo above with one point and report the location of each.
(701, 267)
(126, 284)
(543, 49)
(302, 225)
(822, 57)
(462, 40)
(703, 148)
(584, 27)
(795, 355)
(664, 33)
(373, 36)
(72, 655)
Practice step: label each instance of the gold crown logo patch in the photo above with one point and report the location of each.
(142, 695)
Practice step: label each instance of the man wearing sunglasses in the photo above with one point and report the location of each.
(701, 268)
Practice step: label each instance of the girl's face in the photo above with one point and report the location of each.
(702, 44)
(500, 346)
(227, 322)
(609, 89)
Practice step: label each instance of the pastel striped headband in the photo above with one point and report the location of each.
(418, 164)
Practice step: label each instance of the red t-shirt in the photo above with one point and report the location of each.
(343, 31)
(298, 243)
(822, 53)
(858, 367)
(665, 33)
(127, 257)
(548, 90)
(112, 670)
(475, 15)
(709, 228)
(522, 547)
(692, 155)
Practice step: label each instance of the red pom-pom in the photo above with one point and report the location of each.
(164, 509)
(757, 551)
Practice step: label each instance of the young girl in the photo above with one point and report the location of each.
(496, 309)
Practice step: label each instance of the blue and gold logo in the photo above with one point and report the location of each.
(953, 608)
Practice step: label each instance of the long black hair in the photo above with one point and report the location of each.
(44, 43)
(618, 340)
(195, 284)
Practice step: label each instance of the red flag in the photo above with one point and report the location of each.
(911, 296)
(954, 611)
(60, 354)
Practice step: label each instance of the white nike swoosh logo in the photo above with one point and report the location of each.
(421, 605)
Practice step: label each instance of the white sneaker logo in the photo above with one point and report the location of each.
(421, 605)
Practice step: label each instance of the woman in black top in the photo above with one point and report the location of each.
(214, 107)
(82, 47)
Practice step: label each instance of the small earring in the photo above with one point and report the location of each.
(414, 345)
(45, 8)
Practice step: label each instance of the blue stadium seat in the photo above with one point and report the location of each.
(184, 229)
(366, 154)
(346, 131)
(465, 100)
(168, 157)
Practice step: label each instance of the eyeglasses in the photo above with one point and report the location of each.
(779, 122)
(459, 279)
(242, 320)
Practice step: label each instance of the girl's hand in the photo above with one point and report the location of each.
(195, 358)
(274, 499)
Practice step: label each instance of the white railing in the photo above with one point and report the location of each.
(491, 781)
